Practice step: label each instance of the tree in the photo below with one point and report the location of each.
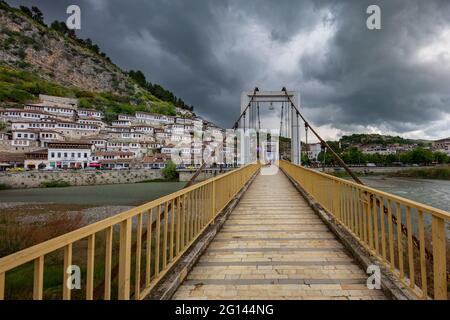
(61, 27)
(305, 160)
(37, 14)
(170, 170)
(139, 77)
(353, 156)
(421, 155)
(328, 157)
(26, 10)
(440, 157)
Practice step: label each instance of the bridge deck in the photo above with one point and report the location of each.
(273, 246)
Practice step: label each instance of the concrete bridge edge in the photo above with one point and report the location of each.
(168, 285)
(392, 287)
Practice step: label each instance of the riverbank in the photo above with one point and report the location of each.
(431, 173)
(438, 173)
(31, 216)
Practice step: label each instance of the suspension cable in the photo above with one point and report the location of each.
(335, 155)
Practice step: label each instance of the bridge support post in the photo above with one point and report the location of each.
(439, 240)
(213, 201)
(125, 260)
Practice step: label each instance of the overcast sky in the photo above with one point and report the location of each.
(392, 81)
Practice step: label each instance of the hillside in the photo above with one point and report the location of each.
(36, 58)
(377, 139)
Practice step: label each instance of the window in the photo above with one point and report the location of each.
(52, 155)
(79, 154)
(59, 154)
(85, 155)
(65, 154)
(73, 154)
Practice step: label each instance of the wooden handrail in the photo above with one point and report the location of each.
(353, 204)
(202, 193)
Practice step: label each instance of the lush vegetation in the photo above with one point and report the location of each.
(355, 156)
(170, 171)
(377, 139)
(18, 87)
(157, 90)
(18, 84)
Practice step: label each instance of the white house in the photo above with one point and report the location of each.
(313, 151)
(11, 114)
(380, 150)
(90, 113)
(62, 111)
(69, 154)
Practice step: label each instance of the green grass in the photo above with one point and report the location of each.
(18, 87)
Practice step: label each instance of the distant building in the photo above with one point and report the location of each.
(379, 150)
(442, 145)
(113, 159)
(11, 160)
(67, 155)
(12, 114)
(156, 161)
(313, 150)
(90, 113)
(71, 134)
(36, 159)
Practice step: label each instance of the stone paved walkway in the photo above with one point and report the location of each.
(273, 246)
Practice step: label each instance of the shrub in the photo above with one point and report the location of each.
(17, 235)
(170, 171)
(4, 186)
(55, 184)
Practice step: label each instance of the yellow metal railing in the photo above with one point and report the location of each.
(180, 219)
(407, 237)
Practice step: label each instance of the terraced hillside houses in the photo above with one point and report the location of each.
(55, 133)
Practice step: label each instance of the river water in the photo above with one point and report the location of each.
(93, 203)
(435, 193)
(105, 200)
(117, 194)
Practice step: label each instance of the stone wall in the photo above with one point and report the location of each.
(34, 179)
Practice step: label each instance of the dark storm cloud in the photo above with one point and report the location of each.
(207, 52)
(374, 73)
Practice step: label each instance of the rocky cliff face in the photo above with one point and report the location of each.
(25, 44)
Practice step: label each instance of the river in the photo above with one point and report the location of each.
(93, 203)
(117, 194)
(435, 193)
(98, 202)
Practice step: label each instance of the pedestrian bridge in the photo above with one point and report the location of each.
(297, 234)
